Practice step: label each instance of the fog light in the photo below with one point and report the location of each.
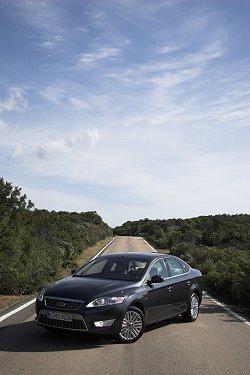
(104, 323)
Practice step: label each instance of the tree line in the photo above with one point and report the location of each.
(36, 244)
(218, 245)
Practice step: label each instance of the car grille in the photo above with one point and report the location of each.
(77, 323)
(64, 304)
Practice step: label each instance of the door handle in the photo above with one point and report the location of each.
(169, 288)
(188, 282)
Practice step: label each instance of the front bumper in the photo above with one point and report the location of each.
(82, 319)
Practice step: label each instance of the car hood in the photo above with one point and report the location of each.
(86, 288)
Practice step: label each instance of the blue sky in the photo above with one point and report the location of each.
(129, 108)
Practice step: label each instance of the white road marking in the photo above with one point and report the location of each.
(104, 248)
(16, 310)
(218, 303)
(155, 251)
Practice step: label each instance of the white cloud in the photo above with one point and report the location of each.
(95, 16)
(93, 136)
(168, 49)
(16, 151)
(2, 124)
(100, 54)
(175, 78)
(79, 103)
(16, 101)
(210, 52)
(75, 143)
(89, 137)
(54, 95)
(49, 42)
(42, 15)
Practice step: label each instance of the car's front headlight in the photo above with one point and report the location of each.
(40, 295)
(105, 301)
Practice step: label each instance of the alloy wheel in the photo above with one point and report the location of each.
(194, 306)
(131, 326)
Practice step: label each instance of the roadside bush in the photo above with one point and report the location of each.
(36, 244)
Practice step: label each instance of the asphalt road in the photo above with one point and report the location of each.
(217, 343)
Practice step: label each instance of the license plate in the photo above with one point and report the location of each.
(60, 316)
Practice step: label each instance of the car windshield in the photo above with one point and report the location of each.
(126, 269)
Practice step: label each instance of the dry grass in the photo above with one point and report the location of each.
(163, 251)
(87, 254)
(90, 252)
(8, 301)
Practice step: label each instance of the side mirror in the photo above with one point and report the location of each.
(156, 279)
(73, 271)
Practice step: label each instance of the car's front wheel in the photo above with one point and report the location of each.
(133, 325)
(193, 309)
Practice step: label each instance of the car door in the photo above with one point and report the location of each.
(159, 297)
(179, 284)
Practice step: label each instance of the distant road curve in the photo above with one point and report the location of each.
(217, 343)
(128, 244)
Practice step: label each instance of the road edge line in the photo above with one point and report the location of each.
(5, 316)
(155, 251)
(218, 303)
(104, 248)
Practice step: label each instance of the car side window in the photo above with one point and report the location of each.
(175, 267)
(185, 266)
(158, 268)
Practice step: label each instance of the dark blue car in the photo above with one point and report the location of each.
(120, 294)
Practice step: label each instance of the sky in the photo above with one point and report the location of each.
(132, 108)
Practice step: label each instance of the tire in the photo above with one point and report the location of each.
(133, 326)
(193, 309)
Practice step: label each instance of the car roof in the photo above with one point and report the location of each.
(133, 254)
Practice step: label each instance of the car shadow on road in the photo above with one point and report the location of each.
(164, 323)
(29, 337)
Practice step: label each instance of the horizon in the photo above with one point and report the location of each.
(130, 109)
(141, 219)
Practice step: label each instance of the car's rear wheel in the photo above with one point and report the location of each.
(133, 325)
(193, 309)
